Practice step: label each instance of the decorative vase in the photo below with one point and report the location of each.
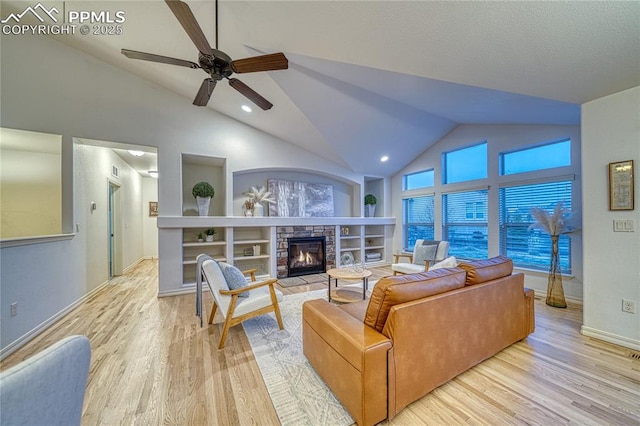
(203, 205)
(209, 238)
(258, 210)
(248, 213)
(370, 210)
(555, 292)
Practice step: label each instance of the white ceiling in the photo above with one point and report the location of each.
(368, 78)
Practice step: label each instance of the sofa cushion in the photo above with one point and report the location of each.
(449, 262)
(394, 290)
(480, 271)
(235, 278)
(424, 253)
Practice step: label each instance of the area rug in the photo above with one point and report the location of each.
(304, 279)
(299, 395)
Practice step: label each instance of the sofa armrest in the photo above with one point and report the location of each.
(350, 357)
(345, 333)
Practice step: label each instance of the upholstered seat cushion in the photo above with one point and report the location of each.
(407, 268)
(258, 298)
(394, 290)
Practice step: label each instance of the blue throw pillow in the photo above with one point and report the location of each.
(235, 278)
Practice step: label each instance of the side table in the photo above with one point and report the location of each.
(345, 295)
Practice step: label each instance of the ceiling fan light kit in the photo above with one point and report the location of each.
(217, 64)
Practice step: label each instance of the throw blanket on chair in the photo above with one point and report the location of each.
(200, 259)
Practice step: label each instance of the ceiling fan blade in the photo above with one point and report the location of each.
(202, 98)
(183, 13)
(132, 54)
(250, 93)
(270, 62)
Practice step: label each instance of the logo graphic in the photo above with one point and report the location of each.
(34, 12)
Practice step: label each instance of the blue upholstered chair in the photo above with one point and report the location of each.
(48, 388)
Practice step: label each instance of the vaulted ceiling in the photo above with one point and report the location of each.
(373, 78)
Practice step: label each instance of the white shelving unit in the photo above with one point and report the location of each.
(191, 248)
(374, 243)
(254, 240)
(235, 234)
(350, 242)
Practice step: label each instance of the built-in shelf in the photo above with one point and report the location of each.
(236, 235)
(205, 244)
(251, 242)
(262, 256)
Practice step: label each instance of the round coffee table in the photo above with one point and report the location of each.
(344, 295)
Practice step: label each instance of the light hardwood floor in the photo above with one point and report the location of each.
(152, 364)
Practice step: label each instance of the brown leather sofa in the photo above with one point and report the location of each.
(415, 333)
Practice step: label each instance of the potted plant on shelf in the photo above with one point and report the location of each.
(203, 192)
(248, 207)
(370, 202)
(210, 233)
(200, 237)
(259, 196)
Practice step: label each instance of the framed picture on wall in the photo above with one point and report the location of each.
(153, 208)
(621, 185)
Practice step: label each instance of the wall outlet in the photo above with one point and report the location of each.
(629, 306)
(14, 309)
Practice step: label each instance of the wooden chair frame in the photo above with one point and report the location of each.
(229, 321)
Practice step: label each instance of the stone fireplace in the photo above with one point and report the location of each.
(306, 256)
(284, 234)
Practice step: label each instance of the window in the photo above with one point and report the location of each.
(548, 156)
(418, 180)
(417, 220)
(465, 164)
(465, 224)
(532, 249)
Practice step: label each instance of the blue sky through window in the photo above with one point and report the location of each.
(466, 164)
(536, 158)
(423, 179)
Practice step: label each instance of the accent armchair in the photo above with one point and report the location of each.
(236, 305)
(49, 387)
(425, 253)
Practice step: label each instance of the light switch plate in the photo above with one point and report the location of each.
(621, 225)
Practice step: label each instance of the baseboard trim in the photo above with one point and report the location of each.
(186, 289)
(543, 295)
(30, 335)
(611, 338)
(133, 265)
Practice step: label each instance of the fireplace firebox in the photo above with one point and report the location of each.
(306, 256)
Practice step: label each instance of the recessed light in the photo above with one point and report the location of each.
(136, 153)
(384, 158)
(153, 173)
(246, 108)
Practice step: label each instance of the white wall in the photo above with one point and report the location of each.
(149, 223)
(30, 193)
(48, 279)
(66, 100)
(499, 139)
(610, 133)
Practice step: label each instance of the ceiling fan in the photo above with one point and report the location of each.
(213, 61)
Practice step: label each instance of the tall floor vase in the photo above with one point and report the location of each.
(555, 292)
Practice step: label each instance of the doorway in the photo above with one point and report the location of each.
(114, 237)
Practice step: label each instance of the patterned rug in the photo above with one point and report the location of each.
(304, 279)
(299, 395)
